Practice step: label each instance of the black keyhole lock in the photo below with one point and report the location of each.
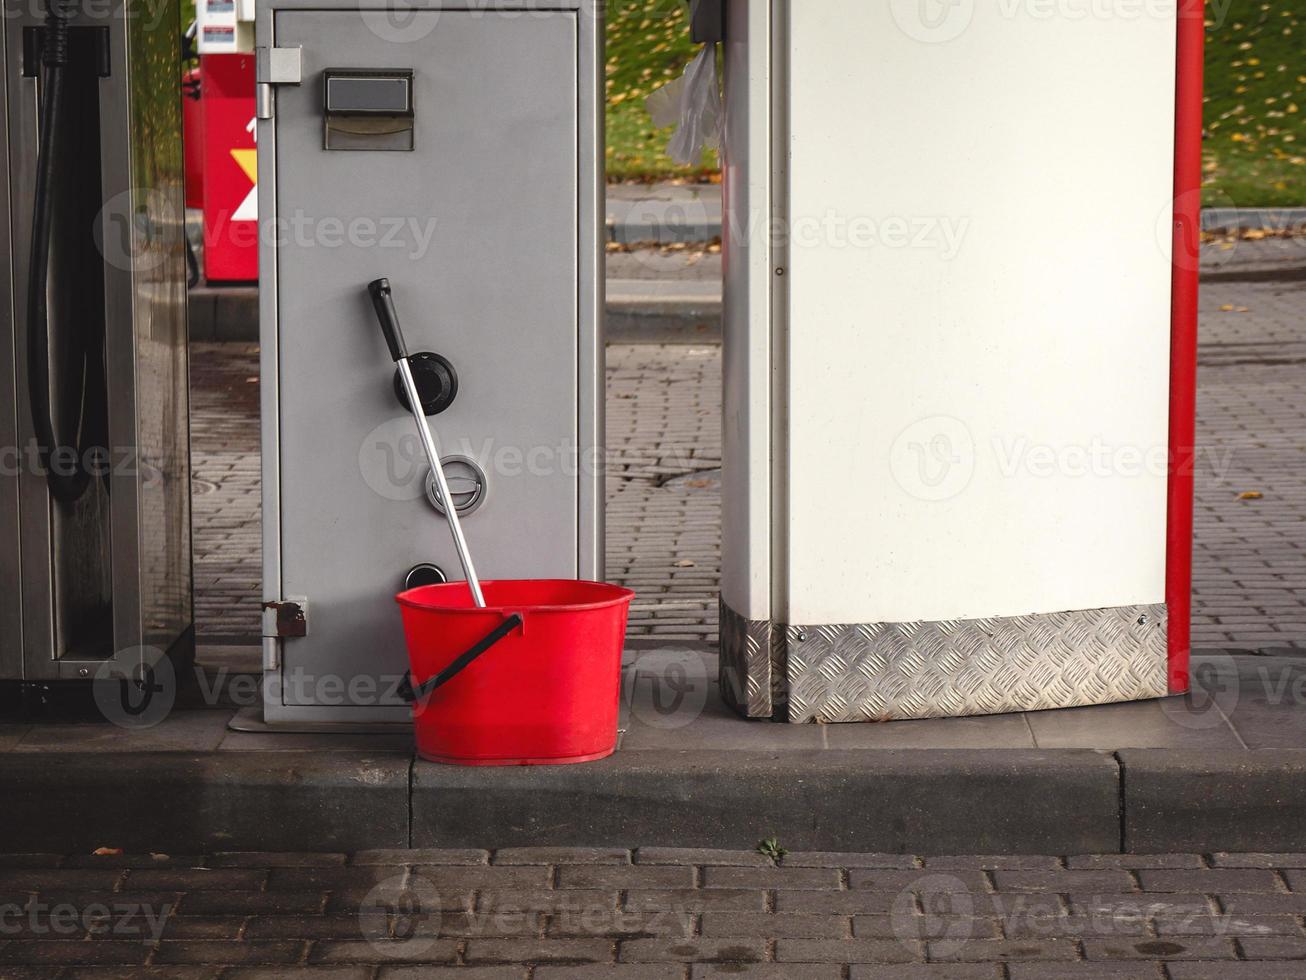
(437, 382)
(424, 574)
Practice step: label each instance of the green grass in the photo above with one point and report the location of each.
(1255, 151)
(648, 46)
(1255, 148)
(1254, 154)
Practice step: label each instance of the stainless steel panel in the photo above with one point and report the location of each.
(590, 283)
(890, 671)
(11, 612)
(35, 547)
(129, 548)
(500, 182)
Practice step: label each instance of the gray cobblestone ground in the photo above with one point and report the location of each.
(1250, 561)
(225, 484)
(664, 433)
(652, 914)
(664, 528)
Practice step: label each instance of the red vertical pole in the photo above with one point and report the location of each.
(1183, 345)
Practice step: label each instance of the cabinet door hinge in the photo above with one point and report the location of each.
(274, 66)
(287, 617)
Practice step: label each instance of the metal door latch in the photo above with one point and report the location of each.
(286, 617)
(274, 66)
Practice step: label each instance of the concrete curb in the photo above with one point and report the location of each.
(1252, 219)
(910, 801)
(1177, 800)
(665, 212)
(667, 232)
(921, 801)
(230, 313)
(223, 313)
(642, 326)
(663, 311)
(193, 802)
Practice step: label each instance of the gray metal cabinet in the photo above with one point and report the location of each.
(488, 229)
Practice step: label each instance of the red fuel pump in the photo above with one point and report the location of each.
(230, 174)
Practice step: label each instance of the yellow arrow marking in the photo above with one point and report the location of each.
(247, 159)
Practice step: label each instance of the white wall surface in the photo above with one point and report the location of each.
(978, 322)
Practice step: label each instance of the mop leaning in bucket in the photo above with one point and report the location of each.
(505, 673)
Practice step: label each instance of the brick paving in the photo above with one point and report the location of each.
(654, 914)
(225, 485)
(664, 503)
(1250, 560)
(664, 441)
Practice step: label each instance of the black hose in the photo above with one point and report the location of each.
(65, 484)
(192, 264)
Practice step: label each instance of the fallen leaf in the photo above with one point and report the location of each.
(1251, 495)
(684, 563)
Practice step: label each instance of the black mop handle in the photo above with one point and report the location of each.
(384, 304)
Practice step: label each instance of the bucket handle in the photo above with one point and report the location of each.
(423, 691)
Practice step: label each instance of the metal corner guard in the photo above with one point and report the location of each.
(751, 681)
(895, 671)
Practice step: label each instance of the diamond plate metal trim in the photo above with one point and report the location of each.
(885, 671)
(747, 674)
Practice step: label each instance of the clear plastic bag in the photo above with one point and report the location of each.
(692, 103)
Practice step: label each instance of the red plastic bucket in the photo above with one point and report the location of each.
(544, 691)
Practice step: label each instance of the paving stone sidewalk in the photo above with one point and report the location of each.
(665, 441)
(1250, 560)
(652, 914)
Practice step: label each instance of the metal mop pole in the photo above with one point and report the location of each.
(383, 302)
